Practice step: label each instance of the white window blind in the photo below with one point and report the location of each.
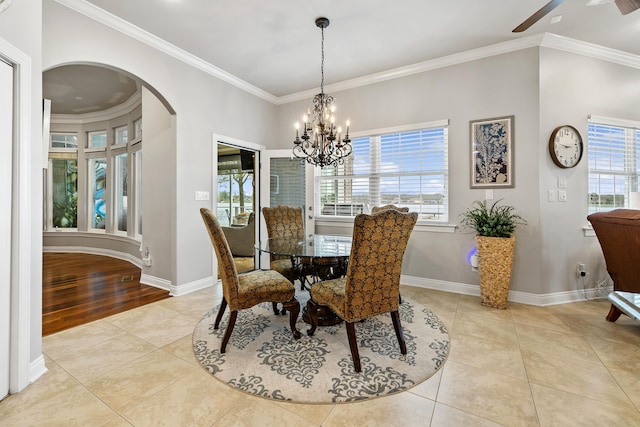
(407, 168)
(614, 162)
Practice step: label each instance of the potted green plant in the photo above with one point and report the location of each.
(495, 242)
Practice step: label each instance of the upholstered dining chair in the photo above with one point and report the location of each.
(372, 283)
(284, 221)
(249, 289)
(377, 209)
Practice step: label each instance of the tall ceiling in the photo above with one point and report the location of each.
(275, 46)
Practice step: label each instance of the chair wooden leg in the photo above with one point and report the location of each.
(227, 334)
(312, 310)
(614, 313)
(395, 316)
(223, 307)
(353, 345)
(294, 310)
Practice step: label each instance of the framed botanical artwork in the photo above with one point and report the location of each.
(492, 152)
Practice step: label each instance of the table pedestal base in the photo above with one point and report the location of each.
(326, 316)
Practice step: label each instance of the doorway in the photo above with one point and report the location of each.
(235, 185)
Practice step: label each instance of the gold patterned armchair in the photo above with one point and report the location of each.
(245, 291)
(377, 209)
(284, 221)
(372, 284)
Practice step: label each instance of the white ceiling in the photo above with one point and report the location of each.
(274, 45)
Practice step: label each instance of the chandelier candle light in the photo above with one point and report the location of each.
(321, 143)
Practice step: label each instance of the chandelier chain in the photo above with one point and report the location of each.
(322, 62)
(322, 142)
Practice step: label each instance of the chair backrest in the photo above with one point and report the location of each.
(375, 263)
(284, 221)
(377, 209)
(618, 232)
(226, 266)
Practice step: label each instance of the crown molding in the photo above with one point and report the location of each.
(421, 67)
(549, 40)
(567, 44)
(100, 15)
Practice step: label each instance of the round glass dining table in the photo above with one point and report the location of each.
(323, 256)
(315, 257)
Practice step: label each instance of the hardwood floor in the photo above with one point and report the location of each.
(80, 288)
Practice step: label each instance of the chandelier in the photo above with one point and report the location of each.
(321, 143)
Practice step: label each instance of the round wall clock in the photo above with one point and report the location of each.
(565, 146)
(4, 4)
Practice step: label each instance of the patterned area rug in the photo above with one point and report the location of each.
(263, 359)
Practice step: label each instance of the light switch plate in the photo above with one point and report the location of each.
(551, 195)
(488, 194)
(202, 195)
(562, 182)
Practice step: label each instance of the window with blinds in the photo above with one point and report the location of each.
(405, 168)
(614, 163)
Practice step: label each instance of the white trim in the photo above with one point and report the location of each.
(539, 40)
(403, 128)
(614, 121)
(95, 251)
(228, 140)
(21, 243)
(37, 368)
(514, 296)
(187, 288)
(92, 11)
(157, 282)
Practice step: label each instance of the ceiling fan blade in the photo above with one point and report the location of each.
(541, 13)
(627, 6)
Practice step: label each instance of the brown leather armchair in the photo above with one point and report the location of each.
(618, 232)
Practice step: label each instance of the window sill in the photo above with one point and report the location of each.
(421, 225)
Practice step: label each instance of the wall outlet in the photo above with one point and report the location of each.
(581, 270)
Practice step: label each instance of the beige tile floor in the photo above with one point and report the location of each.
(562, 365)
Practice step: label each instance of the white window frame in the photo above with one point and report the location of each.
(424, 224)
(58, 152)
(90, 147)
(598, 171)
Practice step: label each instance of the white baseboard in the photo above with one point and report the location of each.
(187, 288)
(37, 369)
(156, 282)
(514, 296)
(95, 251)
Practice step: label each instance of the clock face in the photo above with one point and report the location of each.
(565, 146)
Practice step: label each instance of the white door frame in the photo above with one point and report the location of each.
(257, 148)
(265, 172)
(6, 144)
(20, 369)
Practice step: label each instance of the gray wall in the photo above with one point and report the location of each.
(572, 87)
(20, 25)
(497, 86)
(203, 104)
(541, 87)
